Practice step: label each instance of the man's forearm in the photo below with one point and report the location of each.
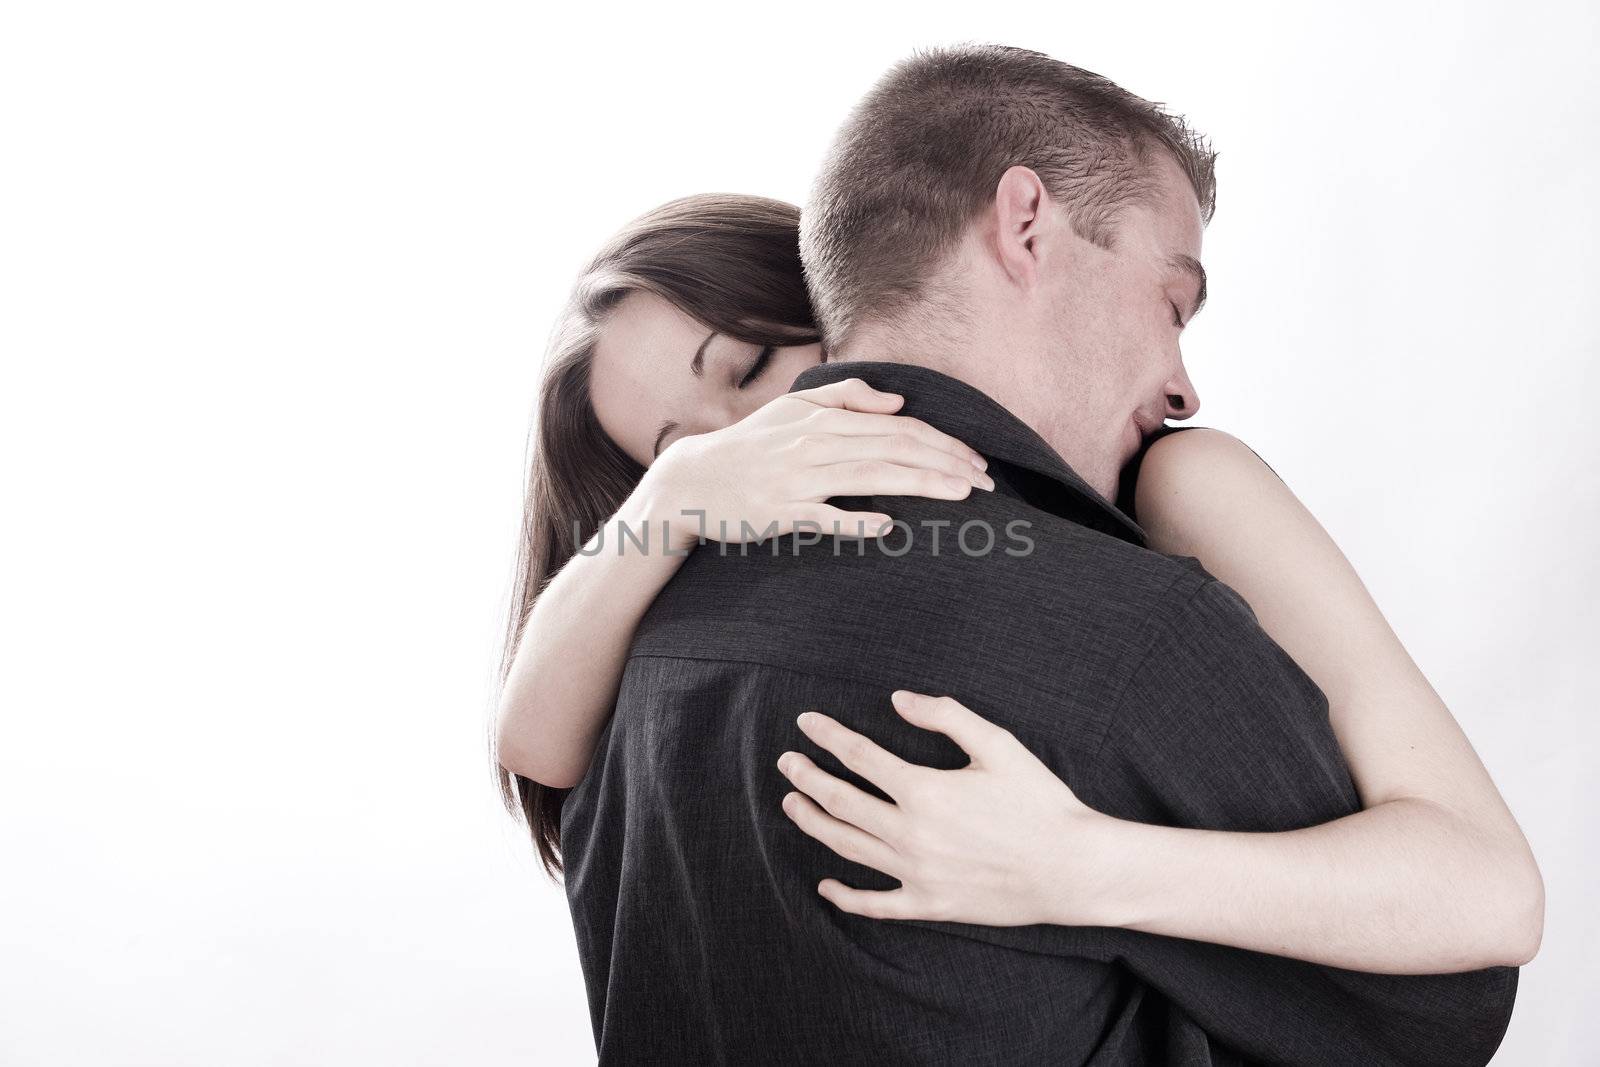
(1404, 887)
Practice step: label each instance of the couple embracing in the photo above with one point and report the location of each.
(895, 683)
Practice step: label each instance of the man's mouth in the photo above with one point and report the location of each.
(1138, 440)
(1141, 431)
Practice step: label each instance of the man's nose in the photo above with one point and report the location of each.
(1183, 399)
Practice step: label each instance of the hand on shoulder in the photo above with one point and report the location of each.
(771, 472)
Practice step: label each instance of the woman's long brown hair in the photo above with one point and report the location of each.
(731, 262)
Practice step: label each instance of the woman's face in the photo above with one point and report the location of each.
(659, 375)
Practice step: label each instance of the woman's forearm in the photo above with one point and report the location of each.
(1403, 887)
(763, 476)
(563, 680)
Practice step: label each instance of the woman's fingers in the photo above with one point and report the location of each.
(851, 842)
(902, 449)
(837, 522)
(876, 477)
(864, 424)
(858, 752)
(873, 903)
(852, 394)
(977, 736)
(839, 798)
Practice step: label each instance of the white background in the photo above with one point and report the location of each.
(276, 280)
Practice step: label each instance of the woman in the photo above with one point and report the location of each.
(665, 390)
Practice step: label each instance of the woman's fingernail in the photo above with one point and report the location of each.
(979, 462)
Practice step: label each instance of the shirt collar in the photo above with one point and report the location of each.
(973, 417)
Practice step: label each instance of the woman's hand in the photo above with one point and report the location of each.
(999, 842)
(769, 473)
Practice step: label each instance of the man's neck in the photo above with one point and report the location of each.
(1045, 407)
(981, 421)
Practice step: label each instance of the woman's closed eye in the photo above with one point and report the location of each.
(756, 368)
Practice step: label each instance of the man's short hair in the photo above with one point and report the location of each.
(924, 152)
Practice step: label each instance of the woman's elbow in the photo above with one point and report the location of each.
(1517, 916)
(534, 764)
(1526, 931)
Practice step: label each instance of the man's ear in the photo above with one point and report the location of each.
(1021, 203)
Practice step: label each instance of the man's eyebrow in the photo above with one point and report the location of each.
(666, 428)
(698, 363)
(1187, 263)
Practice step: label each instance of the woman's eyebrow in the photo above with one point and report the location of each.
(697, 365)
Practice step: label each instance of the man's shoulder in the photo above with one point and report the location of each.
(953, 579)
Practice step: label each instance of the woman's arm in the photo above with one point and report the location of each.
(563, 679)
(1432, 876)
(771, 471)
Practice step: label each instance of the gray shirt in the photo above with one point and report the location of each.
(1142, 681)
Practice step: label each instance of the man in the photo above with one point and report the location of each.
(1011, 244)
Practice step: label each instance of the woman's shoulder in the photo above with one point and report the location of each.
(1177, 460)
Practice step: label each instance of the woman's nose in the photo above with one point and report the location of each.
(725, 407)
(732, 408)
(738, 404)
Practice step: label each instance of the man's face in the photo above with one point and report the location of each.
(1112, 323)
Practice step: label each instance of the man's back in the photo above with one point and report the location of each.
(1140, 680)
